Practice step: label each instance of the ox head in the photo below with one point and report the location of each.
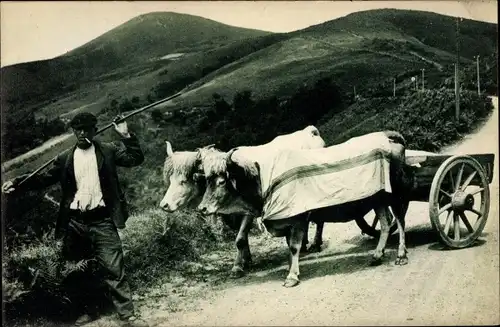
(313, 139)
(231, 187)
(184, 178)
(307, 138)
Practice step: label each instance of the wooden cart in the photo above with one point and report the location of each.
(457, 190)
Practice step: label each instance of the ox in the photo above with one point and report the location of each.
(186, 184)
(234, 185)
(181, 174)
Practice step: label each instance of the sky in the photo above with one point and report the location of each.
(46, 29)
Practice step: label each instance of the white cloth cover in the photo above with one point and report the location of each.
(415, 157)
(295, 181)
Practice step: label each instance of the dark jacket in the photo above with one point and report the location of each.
(109, 156)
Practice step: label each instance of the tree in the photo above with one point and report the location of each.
(135, 100)
(125, 106)
(156, 115)
(220, 105)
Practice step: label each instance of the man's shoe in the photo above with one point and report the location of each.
(134, 321)
(83, 320)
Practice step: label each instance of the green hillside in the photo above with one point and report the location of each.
(134, 46)
(153, 35)
(364, 49)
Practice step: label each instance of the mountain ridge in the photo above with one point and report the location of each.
(360, 44)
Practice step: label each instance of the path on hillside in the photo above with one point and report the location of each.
(36, 151)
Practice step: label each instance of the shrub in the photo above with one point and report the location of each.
(426, 119)
(36, 273)
(156, 115)
(154, 243)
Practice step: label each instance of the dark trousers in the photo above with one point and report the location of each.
(93, 235)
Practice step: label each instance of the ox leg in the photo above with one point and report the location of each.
(305, 241)
(383, 213)
(296, 236)
(287, 237)
(318, 238)
(243, 256)
(399, 213)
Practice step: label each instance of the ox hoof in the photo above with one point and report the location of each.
(237, 272)
(315, 248)
(291, 282)
(247, 264)
(376, 261)
(401, 261)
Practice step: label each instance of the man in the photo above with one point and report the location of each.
(92, 205)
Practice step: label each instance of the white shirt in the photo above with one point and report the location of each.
(88, 187)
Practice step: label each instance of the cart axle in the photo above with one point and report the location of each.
(461, 201)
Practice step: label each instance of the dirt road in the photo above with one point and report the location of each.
(338, 286)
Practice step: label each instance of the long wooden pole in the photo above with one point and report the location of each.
(478, 80)
(135, 112)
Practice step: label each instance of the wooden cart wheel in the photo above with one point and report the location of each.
(459, 201)
(371, 225)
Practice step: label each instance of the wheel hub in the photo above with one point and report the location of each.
(461, 201)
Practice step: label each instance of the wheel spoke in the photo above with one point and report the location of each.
(452, 181)
(456, 234)
(446, 193)
(477, 191)
(375, 221)
(459, 177)
(476, 212)
(447, 224)
(443, 209)
(468, 180)
(466, 222)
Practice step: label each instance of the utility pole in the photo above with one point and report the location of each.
(478, 80)
(423, 79)
(413, 79)
(457, 82)
(394, 88)
(354, 92)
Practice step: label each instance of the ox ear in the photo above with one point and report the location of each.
(246, 181)
(243, 176)
(169, 148)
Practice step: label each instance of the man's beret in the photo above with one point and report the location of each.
(83, 119)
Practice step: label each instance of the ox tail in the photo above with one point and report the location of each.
(401, 175)
(396, 137)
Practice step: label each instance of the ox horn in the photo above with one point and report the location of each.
(206, 147)
(169, 148)
(229, 154)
